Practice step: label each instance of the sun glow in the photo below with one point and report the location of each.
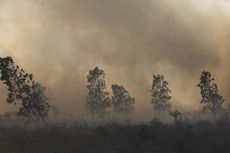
(212, 5)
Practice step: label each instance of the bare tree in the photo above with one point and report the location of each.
(211, 99)
(121, 100)
(97, 100)
(24, 90)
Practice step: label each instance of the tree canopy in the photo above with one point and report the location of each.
(24, 90)
(211, 99)
(160, 94)
(97, 99)
(121, 100)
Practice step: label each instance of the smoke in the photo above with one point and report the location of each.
(60, 41)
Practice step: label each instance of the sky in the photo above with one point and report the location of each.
(59, 41)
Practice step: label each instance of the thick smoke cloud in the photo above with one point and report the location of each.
(59, 41)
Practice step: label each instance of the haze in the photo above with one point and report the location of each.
(59, 41)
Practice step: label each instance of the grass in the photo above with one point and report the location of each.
(200, 137)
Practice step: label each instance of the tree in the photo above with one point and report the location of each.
(160, 94)
(211, 99)
(24, 90)
(121, 100)
(177, 116)
(97, 100)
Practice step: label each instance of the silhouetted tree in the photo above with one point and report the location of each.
(160, 94)
(24, 90)
(121, 100)
(211, 99)
(177, 116)
(97, 100)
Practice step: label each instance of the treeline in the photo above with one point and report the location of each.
(30, 95)
(98, 100)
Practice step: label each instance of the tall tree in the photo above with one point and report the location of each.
(97, 100)
(160, 94)
(24, 90)
(211, 99)
(121, 100)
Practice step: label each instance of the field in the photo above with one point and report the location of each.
(154, 137)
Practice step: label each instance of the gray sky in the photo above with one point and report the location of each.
(59, 41)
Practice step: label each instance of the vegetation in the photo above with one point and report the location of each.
(211, 99)
(160, 96)
(122, 102)
(97, 100)
(199, 137)
(24, 90)
(177, 116)
(184, 135)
